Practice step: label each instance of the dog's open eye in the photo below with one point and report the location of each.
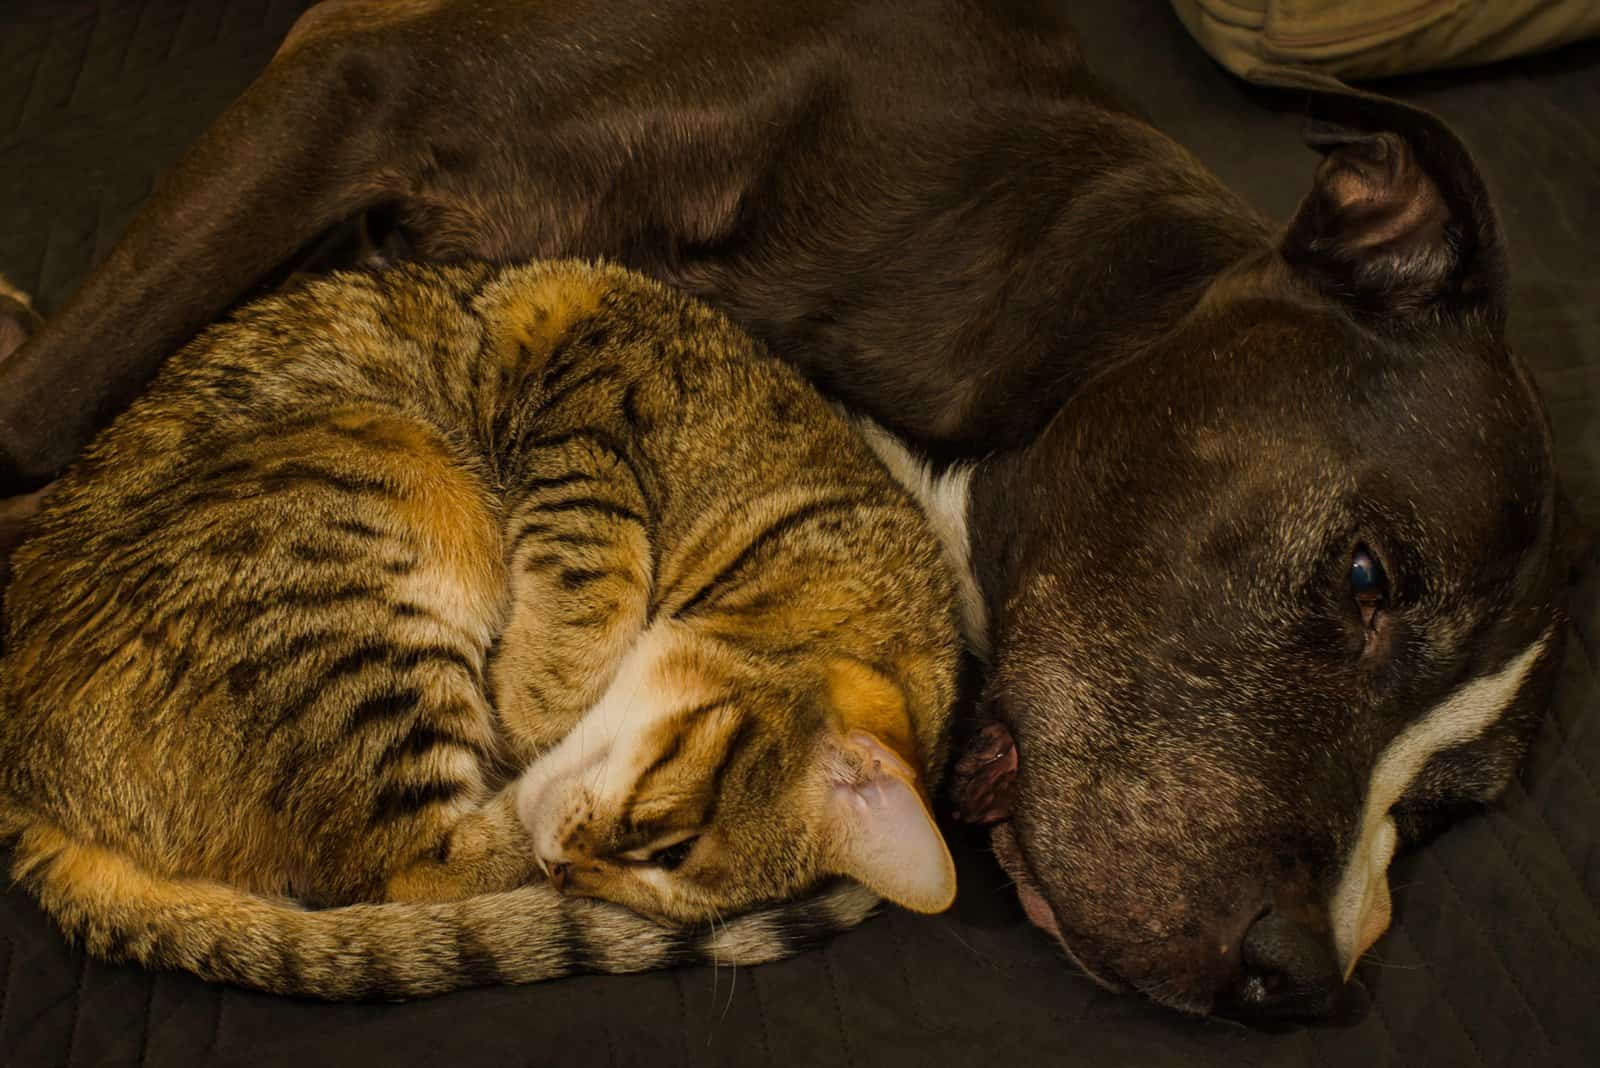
(670, 858)
(1368, 584)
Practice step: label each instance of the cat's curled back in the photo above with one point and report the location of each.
(481, 592)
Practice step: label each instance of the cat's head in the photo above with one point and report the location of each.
(707, 780)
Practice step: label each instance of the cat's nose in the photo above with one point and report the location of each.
(559, 873)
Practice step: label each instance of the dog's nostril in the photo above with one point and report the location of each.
(1287, 971)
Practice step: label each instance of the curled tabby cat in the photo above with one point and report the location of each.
(410, 611)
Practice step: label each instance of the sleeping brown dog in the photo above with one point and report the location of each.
(1258, 521)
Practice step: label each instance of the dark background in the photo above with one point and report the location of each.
(1495, 954)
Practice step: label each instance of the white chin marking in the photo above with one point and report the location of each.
(943, 496)
(1359, 910)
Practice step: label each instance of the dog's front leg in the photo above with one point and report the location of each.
(300, 150)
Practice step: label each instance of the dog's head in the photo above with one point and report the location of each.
(1299, 595)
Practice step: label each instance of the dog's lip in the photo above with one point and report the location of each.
(1354, 998)
(1008, 851)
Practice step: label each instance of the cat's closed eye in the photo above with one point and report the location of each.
(672, 857)
(668, 857)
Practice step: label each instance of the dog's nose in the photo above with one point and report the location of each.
(1287, 972)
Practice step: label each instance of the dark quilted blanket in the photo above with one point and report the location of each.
(1494, 958)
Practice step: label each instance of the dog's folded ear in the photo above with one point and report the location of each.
(1398, 221)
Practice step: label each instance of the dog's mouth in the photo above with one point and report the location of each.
(984, 789)
(1200, 972)
(1008, 851)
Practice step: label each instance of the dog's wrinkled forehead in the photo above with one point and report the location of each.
(1286, 428)
(1214, 513)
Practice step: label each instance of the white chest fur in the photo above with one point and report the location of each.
(944, 496)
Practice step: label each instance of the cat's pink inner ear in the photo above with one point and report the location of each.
(881, 831)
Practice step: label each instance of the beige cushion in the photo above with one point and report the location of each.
(1375, 38)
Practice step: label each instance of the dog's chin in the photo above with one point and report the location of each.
(1036, 906)
(1008, 851)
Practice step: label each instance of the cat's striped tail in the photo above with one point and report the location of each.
(121, 911)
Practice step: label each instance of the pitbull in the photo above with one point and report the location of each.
(1258, 522)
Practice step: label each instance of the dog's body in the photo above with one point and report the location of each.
(1261, 522)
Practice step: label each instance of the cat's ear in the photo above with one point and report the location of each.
(880, 830)
(863, 698)
(1398, 221)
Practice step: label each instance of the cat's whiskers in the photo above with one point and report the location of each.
(733, 966)
(716, 969)
(716, 956)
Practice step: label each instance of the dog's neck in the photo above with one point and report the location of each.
(1166, 254)
(963, 302)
